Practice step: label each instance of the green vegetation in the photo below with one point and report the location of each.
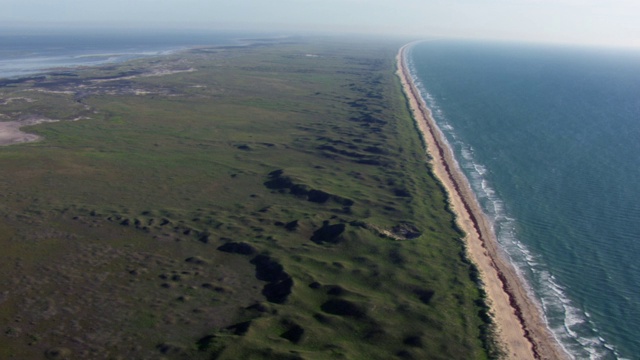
(275, 203)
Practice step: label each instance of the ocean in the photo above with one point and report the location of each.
(30, 52)
(549, 137)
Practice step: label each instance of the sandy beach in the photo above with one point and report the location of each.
(520, 322)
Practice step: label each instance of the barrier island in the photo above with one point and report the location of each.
(271, 201)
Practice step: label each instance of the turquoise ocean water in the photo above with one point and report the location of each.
(549, 137)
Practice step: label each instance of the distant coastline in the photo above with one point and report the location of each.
(26, 64)
(522, 330)
(34, 54)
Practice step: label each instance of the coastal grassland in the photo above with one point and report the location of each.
(261, 202)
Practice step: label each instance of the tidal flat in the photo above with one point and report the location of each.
(261, 202)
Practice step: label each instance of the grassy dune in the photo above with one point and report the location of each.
(265, 202)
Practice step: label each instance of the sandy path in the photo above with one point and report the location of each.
(520, 322)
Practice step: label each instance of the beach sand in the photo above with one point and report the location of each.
(521, 327)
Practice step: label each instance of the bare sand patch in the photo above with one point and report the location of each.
(10, 133)
(522, 329)
(13, 99)
(151, 73)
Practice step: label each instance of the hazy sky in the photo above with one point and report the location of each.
(614, 22)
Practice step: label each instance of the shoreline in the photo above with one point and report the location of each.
(122, 57)
(522, 330)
